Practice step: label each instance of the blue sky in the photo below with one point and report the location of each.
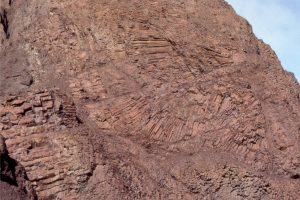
(277, 22)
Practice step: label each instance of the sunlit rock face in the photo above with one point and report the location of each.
(139, 99)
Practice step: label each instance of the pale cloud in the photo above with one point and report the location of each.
(277, 23)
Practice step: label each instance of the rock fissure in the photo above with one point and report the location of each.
(5, 23)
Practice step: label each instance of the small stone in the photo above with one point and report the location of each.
(18, 102)
(44, 94)
(46, 98)
(2, 113)
(28, 120)
(82, 55)
(48, 104)
(37, 102)
(38, 109)
(14, 119)
(26, 107)
(26, 79)
(39, 120)
(18, 111)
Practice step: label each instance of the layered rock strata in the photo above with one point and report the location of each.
(170, 99)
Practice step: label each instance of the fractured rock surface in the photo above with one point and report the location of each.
(170, 99)
(14, 182)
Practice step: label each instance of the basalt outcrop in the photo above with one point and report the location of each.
(169, 99)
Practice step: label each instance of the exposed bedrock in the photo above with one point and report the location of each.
(169, 99)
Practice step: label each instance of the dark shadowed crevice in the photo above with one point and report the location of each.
(7, 165)
(4, 22)
(8, 170)
(295, 176)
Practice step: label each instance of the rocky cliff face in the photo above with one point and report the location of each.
(170, 99)
(14, 182)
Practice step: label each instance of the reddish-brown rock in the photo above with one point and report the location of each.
(170, 99)
(14, 183)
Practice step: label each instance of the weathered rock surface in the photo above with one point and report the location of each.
(170, 99)
(14, 183)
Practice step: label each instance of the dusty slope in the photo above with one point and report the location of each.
(169, 99)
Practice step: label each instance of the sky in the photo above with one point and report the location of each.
(277, 22)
